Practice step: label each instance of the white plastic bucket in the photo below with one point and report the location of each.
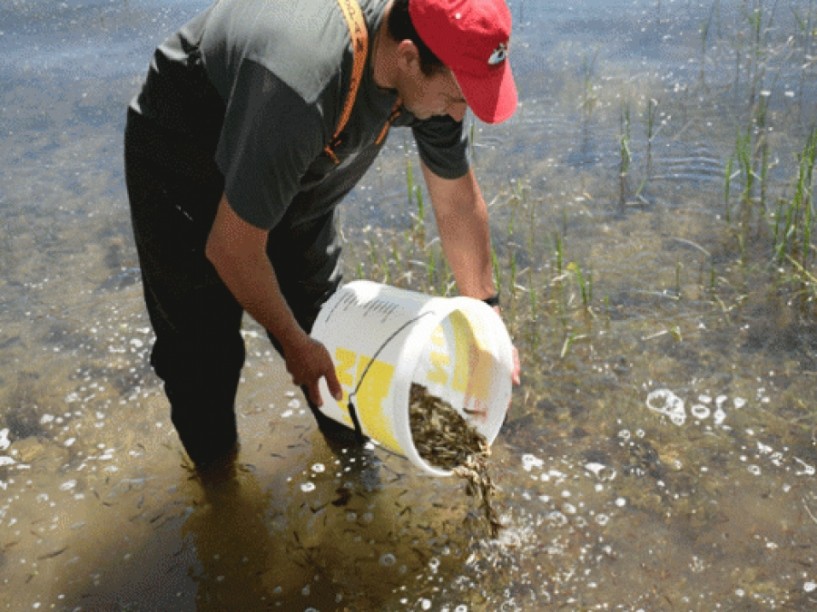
(383, 339)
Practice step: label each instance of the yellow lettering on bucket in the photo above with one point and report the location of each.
(479, 382)
(440, 360)
(461, 329)
(349, 367)
(370, 398)
(344, 366)
(345, 361)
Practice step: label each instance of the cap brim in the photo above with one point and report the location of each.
(491, 98)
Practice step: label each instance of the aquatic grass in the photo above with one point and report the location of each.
(571, 338)
(727, 187)
(589, 100)
(416, 201)
(794, 223)
(625, 155)
(584, 281)
(651, 116)
(704, 39)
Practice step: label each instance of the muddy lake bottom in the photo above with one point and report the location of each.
(660, 453)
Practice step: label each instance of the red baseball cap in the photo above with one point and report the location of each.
(471, 38)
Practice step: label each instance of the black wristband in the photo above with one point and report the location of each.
(493, 300)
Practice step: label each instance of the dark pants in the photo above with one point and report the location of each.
(174, 189)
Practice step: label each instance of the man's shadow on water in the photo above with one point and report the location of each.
(249, 553)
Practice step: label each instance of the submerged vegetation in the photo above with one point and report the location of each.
(766, 220)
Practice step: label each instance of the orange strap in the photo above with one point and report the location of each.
(395, 112)
(360, 49)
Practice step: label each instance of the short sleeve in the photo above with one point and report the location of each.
(269, 138)
(442, 145)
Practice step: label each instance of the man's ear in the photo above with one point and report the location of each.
(408, 58)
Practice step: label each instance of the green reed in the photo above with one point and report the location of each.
(416, 201)
(794, 221)
(589, 99)
(652, 115)
(584, 281)
(625, 155)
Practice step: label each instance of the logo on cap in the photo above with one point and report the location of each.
(499, 55)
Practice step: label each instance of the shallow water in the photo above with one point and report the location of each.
(660, 453)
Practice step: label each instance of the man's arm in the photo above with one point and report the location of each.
(237, 250)
(462, 222)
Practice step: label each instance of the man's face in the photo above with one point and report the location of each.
(435, 95)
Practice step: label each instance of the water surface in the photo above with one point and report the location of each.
(660, 453)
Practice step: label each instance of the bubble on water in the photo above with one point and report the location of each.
(754, 469)
(602, 519)
(46, 419)
(739, 402)
(700, 412)
(69, 442)
(808, 470)
(308, 487)
(68, 485)
(664, 401)
(387, 559)
(719, 417)
(555, 474)
(810, 586)
(556, 519)
(600, 471)
(4, 438)
(594, 468)
(531, 461)
(318, 468)
(294, 403)
(6, 461)
(425, 604)
(621, 502)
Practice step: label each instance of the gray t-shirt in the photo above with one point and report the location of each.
(261, 84)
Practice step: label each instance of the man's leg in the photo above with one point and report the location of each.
(198, 351)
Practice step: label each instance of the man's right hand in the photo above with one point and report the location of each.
(307, 361)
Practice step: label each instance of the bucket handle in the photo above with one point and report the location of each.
(350, 404)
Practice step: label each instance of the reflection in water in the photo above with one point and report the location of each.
(661, 453)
